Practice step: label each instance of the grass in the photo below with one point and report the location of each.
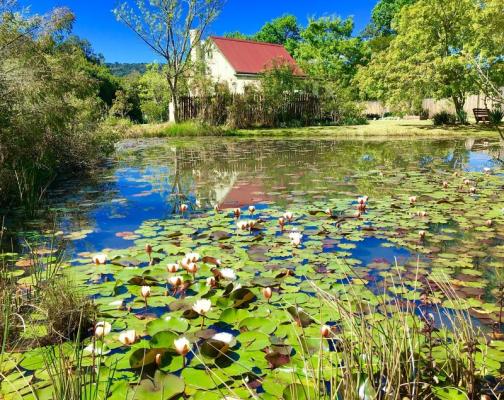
(375, 129)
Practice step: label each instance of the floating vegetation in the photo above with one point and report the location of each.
(393, 290)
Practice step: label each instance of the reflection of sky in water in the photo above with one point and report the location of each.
(142, 187)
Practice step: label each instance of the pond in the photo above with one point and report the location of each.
(430, 211)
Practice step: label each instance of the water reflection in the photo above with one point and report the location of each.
(149, 179)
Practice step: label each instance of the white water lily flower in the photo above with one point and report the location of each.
(175, 281)
(202, 306)
(145, 291)
(225, 337)
(192, 257)
(252, 209)
(289, 216)
(172, 268)
(182, 346)
(128, 337)
(228, 274)
(100, 259)
(243, 225)
(295, 238)
(100, 349)
(102, 329)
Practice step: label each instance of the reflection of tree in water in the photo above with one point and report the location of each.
(207, 170)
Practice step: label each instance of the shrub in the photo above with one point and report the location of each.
(424, 115)
(462, 117)
(495, 116)
(444, 118)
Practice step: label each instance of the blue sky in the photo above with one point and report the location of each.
(96, 22)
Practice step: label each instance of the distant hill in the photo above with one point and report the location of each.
(124, 69)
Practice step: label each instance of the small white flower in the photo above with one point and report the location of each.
(225, 337)
(295, 238)
(202, 306)
(175, 281)
(228, 274)
(128, 337)
(192, 257)
(252, 209)
(100, 259)
(182, 346)
(102, 329)
(145, 291)
(172, 268)
(289, 216)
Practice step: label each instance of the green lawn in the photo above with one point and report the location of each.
(375, 129)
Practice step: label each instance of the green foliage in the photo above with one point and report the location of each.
(328, 51)
(284, 30)
(444, 118)
(495, 116)
(426, 58)
(154, 94)
(122, 70)
(384, 14)
(50, 107)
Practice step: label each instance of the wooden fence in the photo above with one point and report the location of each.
(252, 110)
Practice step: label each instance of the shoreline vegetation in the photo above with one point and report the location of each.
(374, 129)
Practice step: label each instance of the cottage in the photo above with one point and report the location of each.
(239, 63)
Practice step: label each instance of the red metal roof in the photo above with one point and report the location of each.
(248, 57)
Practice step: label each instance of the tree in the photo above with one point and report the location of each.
(328, 51)
(154, 94)
(172, 29)
(383, 16)
(426, 58)
(284, 30)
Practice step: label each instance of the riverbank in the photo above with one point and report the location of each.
(388, 128)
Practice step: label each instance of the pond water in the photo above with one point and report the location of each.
(435, 214)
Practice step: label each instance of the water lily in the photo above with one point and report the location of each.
(289, 216)
(487, 170)
(216, 208)
(182, 346)
(145, 291)
(102, 329)
(489, 223)
(325, 331)
(472, 190)
(237, 212)
(148, 250)
(211, 282)
(192, 268)
(467, 182)
(193, 257)
(100, 259)
(267, 293)
(184, 208)
(328, 211)
(128, 337)
(281, 223)
(413, 199)
(172, 268)
(202, 306)
(243, 225)
(225, 337)
(158, 358)
(175, 281)
(422, 234)
(251, 209)
(445, 184)
(228, 274)
(295, 238)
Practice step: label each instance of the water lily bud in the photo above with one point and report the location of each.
(184, 208)
(413, 199)
(467, 182)
(422, 234)
(216, 208)
(325, 331)
(472, 190)
(237, 212)
(445, 184)
(182, 346)
(102, 329)
(100, 259)
(192, 268)
(158, 359)
(128, 337)
(485, 397)
(328, 211)
(489, 223)
(145, 291)
(193, 257)
(211, 282)
(267, 293)
(252, 209)
(172, 268)
(487, 170)
(148, 249)
(202, 306)
(175, 281)
(289, 216)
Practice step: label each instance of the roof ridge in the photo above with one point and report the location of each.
(247, 41)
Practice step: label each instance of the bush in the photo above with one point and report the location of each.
(424, 115)
(495, 116)
(444, 118)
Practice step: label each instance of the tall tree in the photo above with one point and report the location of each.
(426, 58)
(384, 14)
(284, 30)
(172, 29)
(328, 51)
